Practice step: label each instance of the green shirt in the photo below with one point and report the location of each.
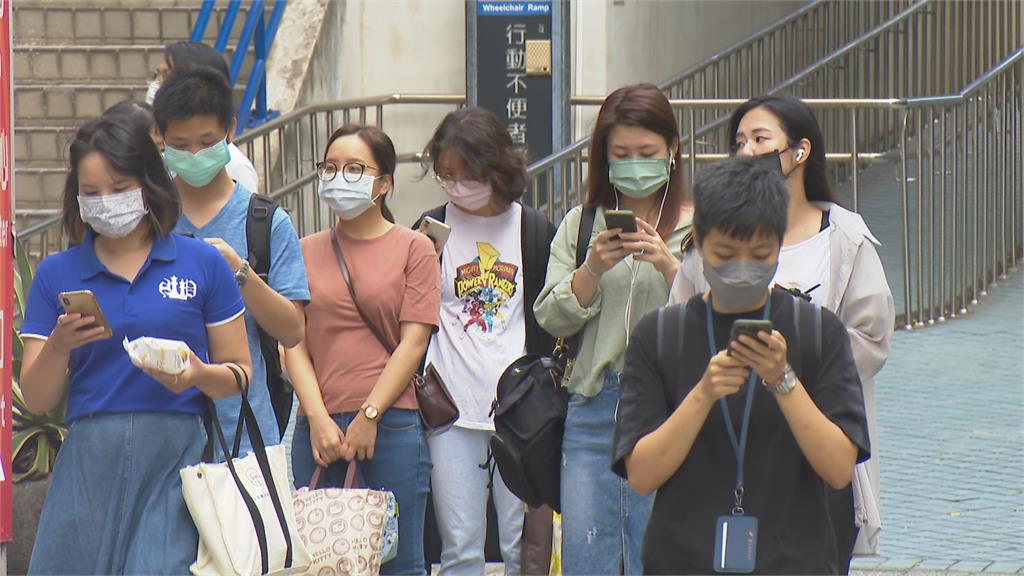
(603, 343)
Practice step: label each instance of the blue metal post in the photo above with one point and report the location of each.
(227, 25)
(255, 14)
(199, 30)
(261, 56)
(245, 112)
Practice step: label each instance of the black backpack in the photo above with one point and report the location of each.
(258, 225)
(529, 413)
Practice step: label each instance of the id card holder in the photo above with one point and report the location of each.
(735, 544)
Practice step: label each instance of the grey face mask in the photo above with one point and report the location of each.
(739, 285)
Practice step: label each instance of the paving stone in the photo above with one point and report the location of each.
(934, 564)
(896, 563)
(866, 562)
(973, 566)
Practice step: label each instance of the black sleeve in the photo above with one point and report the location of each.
(643, 405)
(837, 391)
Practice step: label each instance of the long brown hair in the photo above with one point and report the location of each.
(642, 106)
(383, 150)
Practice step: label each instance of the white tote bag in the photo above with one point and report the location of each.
(242, 508)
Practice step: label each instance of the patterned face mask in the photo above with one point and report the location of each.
(113, 215)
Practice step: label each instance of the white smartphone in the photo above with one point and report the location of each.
(437, 230)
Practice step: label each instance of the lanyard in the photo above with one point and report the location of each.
(739, 445)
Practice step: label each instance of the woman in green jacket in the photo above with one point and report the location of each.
(634, 165)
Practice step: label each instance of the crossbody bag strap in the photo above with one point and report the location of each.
(340, 257)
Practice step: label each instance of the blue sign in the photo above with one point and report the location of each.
(496, 8)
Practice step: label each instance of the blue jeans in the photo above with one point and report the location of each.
(603, 519)
(401, 465)
(115, 504)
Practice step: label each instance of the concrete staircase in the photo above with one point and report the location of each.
(72, 60)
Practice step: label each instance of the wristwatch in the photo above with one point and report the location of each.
(785, 386)
(242, 274)
(370, 412)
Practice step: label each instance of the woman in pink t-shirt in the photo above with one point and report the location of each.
(356, 402)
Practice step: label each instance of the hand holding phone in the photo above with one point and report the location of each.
(437, 231)
(744, 327)
(623, 220)
(84, 302)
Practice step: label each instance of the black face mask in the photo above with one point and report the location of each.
(772, 161)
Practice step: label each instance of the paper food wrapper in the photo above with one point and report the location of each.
(168, 356)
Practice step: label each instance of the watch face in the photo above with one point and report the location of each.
(370, 412)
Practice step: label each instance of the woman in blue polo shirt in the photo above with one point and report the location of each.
(115, 504)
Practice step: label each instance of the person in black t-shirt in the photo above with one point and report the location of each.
(806, 426)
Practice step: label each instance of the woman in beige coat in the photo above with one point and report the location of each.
(828, 257)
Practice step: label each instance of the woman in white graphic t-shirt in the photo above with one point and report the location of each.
(487, 322)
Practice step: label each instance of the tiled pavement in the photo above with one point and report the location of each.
(951, 439)
(951, 424)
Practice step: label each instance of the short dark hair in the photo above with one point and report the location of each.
(739, 199)
(477, 136)
(188, 54)
(382, 148)
(191, 92)
(798, 122)
(129, 149)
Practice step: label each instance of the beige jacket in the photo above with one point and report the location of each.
(862, 300)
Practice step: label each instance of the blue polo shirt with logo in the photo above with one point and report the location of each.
(184, 287)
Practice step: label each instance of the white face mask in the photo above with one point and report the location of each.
(151, 91)
(113, 215)
(348, 199)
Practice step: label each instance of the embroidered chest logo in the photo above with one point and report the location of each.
(178, 288)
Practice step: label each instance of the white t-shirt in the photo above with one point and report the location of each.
(806, 265)
(241, 170)
(483, 326)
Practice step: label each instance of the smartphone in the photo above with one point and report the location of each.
(84, 302)
(437, 230)
(622, 219)
(750, 328)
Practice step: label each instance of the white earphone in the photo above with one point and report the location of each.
(800, 155)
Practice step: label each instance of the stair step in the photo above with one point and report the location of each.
(42, 146)
(39, 188)
(95, 64)
(116, 22)
(70, 102)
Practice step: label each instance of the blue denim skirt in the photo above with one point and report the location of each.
(115, 504)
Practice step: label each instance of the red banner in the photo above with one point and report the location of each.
(6, 261)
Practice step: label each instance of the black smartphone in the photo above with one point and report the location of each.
(622, 219)
(750, 328)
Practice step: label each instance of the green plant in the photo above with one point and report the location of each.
(36, 438)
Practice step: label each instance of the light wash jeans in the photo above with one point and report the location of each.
(459, 485)
(603, 519)
(401, 464)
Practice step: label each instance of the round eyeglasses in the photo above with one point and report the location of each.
(351, 171)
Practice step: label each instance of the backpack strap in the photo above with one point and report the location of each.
(807, 319)
(258, 225)
(671, 320)
(583, 237)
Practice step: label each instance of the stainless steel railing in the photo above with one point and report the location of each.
(962, 178)
(959, 175)
(284, 152)
(941, 37)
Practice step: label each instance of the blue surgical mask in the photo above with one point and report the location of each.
(348, 199)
